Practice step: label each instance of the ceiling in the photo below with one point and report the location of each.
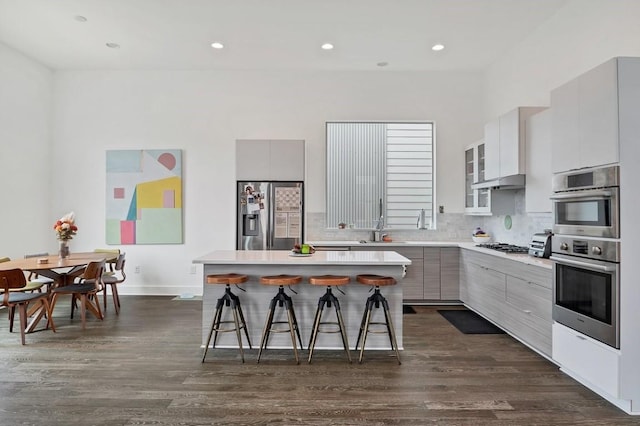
(270, 34)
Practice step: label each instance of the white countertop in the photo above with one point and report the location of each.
(284, 257)
(384, 243)
(523, 258)
(518, 257)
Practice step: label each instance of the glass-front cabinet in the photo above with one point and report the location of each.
(477, 201)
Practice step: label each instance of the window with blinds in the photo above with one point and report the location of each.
(409, 173)
(379, 169)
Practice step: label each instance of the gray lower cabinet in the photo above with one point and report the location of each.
(515, 296)
(433, 274)
(450, 273)
(413, 282)
(482, 287)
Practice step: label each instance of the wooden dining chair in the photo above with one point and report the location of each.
(112, 280)
(30, 286)
(36, 282)
(111, 263)
(85, 290)
(14, 279)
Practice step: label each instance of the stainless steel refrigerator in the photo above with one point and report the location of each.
(270, 215)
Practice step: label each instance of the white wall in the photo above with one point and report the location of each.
(25, 111)
(580, 36)
(204, 112)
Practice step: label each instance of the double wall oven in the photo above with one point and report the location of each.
(586, 252)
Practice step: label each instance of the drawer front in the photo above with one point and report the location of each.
(484, 290)
(597, 363)
(528, 328)
(530, 298)
(535, 274)
(538, 274)
(482, 259)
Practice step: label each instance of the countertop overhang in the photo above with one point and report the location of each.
(284, 257)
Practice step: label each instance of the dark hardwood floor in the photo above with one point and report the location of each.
(143, 368)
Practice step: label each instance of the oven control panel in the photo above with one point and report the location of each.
(592, 248)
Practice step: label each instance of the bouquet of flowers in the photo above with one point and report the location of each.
(65, 227)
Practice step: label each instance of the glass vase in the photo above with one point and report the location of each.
(63, 249)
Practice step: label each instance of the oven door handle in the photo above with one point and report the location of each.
(582, 195)
(585, 265)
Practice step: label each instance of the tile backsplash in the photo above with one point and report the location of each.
(450, 227)
(524, 224)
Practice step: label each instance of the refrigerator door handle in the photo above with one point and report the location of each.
(271, 217)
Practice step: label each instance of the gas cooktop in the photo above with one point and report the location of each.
(504, 247)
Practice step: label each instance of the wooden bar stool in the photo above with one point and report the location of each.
(228, 299)
(329, 299)
(376, 299)
(281, 299)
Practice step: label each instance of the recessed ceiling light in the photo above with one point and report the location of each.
(217, 45)
(113, 45)
(382, 64)
(80, 18)
(327, 46)
(437, 47)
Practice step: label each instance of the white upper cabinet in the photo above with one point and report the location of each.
(287, 160)
(270, 160)
(585, 126)
(505, 141)
(539, 175)
(492, 149)
(477, 201)
(511, 144)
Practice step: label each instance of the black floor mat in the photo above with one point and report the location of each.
(468, 322)
(406, 309)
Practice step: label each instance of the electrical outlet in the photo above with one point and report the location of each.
(192, 269)
(137, 269)
(441, 209)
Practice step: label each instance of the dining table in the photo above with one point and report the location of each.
(61, 271)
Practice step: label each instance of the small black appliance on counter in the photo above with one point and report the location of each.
(540, 245)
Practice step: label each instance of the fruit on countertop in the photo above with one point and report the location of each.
(298, 249)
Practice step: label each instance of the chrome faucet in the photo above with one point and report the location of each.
(377, 233)
(380, 223)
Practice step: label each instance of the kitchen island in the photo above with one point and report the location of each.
(255, 301)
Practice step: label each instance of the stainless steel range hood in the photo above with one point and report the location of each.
(506, 182)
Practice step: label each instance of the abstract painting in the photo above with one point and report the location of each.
(144, 196)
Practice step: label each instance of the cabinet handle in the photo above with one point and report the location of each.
(581, 337)
(527, 312)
